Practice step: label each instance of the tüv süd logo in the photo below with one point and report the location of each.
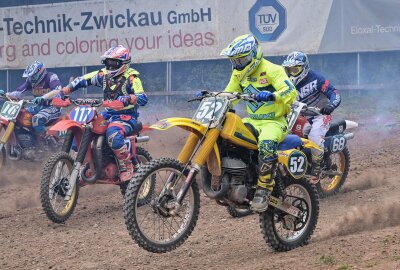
(267, 19)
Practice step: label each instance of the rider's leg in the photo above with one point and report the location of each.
(41, 119)
(320, 126)
(271, 134)
(115, 134)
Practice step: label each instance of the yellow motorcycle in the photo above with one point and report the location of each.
(224, 152)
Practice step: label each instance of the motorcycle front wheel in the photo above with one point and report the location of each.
(284, 232)
(161, 225)
(336, 170)
(54, 185)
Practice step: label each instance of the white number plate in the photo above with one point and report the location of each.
(210, 109)
(10, 110)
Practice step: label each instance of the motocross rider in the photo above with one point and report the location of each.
(119, 82)
(40, 82)
(316, 91)
(274, 92)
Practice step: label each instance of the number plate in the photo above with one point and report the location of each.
(82, 114)
(211, 109)
(10, 110)
(338, 143)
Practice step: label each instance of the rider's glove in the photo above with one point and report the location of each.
(38, 100)
(200, 93)
(265, 96)
(327, 110)
(60, 95)
(2, 92)
(127, 100)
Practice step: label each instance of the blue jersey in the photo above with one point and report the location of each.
(315, 90)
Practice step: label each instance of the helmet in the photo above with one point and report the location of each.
(296, 66)
(245, 54)
(35, 72)
(116, 60)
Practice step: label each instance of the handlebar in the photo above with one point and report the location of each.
(92, 102)
(228, 95)
(25, 101)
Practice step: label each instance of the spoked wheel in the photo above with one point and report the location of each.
(334, 175)
(145, 197)
(54, 185)
(238, 212)
(161, 225)
(284, 232)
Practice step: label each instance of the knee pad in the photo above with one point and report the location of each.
(268, 150)
(115, 137)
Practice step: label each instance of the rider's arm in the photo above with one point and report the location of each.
(54, 85)
(330, 92)
(136, 88)
(18, 92)
(285, 92)
(233, 87)
(92, 78)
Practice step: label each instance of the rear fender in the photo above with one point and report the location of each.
(351, 124)
(214, 159)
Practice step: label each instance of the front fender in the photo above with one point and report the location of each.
(184, 123)
(214, 159)
(64, 126)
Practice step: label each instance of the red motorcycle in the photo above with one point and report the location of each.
(18, 141)
(94, 163)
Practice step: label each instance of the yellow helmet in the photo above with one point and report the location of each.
(245, 54)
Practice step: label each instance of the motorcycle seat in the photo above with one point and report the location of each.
(336, 126)
(291, 141)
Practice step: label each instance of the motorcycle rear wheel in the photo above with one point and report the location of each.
(284, 232)
(152, 226)
(54, 184)
(238, 212)
(329, 186)
(144, 198)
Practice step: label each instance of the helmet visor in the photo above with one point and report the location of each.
(241, 62)
(294, 71)
(112, 64)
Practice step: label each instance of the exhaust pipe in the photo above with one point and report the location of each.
(97, 161)
(349, 136)
(141, 139)
(206, 182)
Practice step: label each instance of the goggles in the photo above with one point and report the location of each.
(294, 71)
(112, 64)
(241, 62)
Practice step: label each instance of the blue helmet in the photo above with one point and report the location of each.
(35, 72)
(296, 66)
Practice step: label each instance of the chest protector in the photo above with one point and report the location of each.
(113, 88)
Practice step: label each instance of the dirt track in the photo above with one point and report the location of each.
(358, 228)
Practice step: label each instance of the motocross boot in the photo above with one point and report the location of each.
(125, 163)
(264, 186)
(316, 158)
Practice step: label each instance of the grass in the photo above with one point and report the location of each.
(345, 267)
(395, 258)
(371, 264)
(327, 259)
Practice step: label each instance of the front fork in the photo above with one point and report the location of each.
(83, 148)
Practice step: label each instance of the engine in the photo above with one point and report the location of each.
(236, 169)
(24, 137)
